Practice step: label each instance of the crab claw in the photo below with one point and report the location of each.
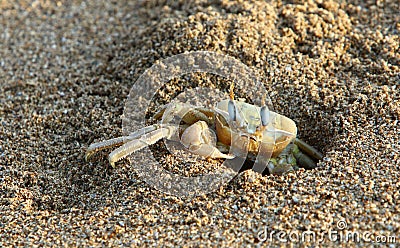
(200, 140)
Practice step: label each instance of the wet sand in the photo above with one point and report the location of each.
(66, 70)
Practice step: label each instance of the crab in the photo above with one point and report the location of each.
(232, 129)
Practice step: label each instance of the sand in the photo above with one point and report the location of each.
(66, 69)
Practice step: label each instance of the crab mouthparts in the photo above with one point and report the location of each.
(251, 137)
(251, 129)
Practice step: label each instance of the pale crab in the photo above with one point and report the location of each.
(263, 136)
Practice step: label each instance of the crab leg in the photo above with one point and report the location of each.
(188, 113)
(311, 151)
(96, 147)
(305, 159)
(208, 112)
(141, 142)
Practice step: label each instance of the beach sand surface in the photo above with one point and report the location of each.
(66, 70)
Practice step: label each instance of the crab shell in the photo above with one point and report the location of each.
(273, 139)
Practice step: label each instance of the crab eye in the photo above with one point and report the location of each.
(264, 114)
(232, 110)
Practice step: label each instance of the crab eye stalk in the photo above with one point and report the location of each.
(232, 110)
(264, 115)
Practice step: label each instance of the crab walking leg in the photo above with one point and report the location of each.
(200, 140)
(143, 131)
(193, 115)
(305, 159)
(208, 112)
(311, 151)
(141, 142)
(96, 147)
(188, 113)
